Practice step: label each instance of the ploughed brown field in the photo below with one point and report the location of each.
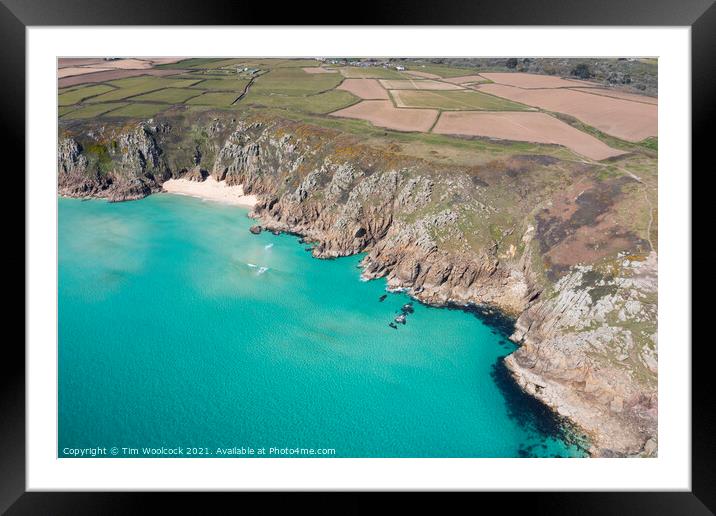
(382, 113)
(625, 119)
(619, 95)
(523, 126)
(531, 80)
(466, 79)
(127, 63)
(73, 71)
(65, 62)
(69, 71)
(369, 89)
(418, 84)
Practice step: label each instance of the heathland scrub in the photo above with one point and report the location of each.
(566, 244)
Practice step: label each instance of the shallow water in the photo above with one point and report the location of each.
(180, 329)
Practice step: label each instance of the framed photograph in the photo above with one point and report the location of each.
(436, 252)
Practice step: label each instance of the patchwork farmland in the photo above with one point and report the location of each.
(590, 120)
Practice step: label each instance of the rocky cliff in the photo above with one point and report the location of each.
(552, 242)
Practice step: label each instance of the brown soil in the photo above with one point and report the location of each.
(634, 97)
(365, 88)
(110, 75)
(632, 121)
(531, 80)
(77, 70)
(382, 113)
(523, 126)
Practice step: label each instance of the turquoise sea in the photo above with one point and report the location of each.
(182, 334)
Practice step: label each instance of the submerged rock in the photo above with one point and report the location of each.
(407, 308)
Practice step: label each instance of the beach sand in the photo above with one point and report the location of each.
(211, 190)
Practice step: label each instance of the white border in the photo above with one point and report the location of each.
(671, 470)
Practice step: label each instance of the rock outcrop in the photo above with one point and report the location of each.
(589, 351)
(118, 166)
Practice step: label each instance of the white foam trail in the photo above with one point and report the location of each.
(261, 269)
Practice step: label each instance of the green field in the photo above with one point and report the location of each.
(214, 99)
(228, 84)
(78, 95)
(279, 63)
(370, 72)
(441, 70)
(317, 104)
(169, 95)
(456, 101)
(133, 86)
(137, 110)
(294, 81)
(190, 63)
(92, 110)
(63, 110)
(214, 63)
(209, 65)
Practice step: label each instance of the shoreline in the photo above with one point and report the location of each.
(492, 316)
(210, 190)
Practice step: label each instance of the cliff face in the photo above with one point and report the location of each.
(538, 238)
(589, 351)
(130, 167)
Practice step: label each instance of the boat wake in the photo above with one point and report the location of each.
(259, 269)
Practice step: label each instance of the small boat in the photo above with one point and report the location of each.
(400, 319)
(382, 298)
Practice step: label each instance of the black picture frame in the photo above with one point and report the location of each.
(16, 15)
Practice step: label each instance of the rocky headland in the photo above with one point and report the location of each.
(566, 247)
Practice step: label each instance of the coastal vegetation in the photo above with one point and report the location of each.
(563, 240)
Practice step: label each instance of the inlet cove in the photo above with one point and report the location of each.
(181, 330)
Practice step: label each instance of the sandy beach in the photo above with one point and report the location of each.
(211, 190)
